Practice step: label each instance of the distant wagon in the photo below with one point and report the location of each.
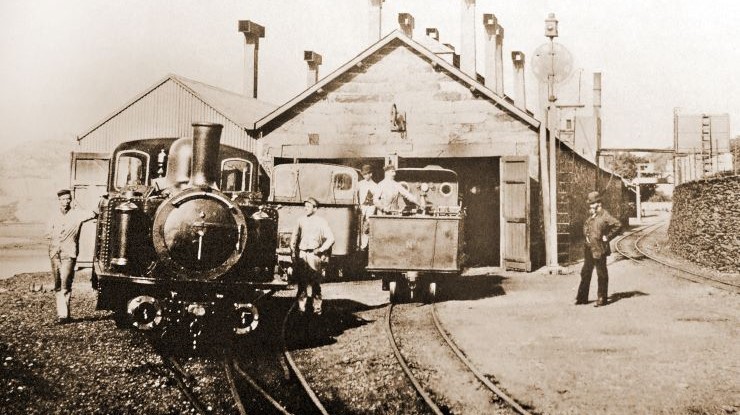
(419, 245)
(335, 188)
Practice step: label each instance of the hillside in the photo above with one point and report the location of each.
(30, 175)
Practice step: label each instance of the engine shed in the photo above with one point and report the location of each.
(404, 101)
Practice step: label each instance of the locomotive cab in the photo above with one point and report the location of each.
(183, 232)
(422, 244)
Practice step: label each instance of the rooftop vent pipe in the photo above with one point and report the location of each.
(313, 60)
(252, 34)
(520, 98)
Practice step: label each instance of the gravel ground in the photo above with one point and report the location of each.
(85, 367)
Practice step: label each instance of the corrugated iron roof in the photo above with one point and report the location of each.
(241, 110)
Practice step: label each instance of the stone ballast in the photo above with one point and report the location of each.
(705, 225)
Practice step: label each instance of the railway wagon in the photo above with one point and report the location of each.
(335, 188)
(183, 238)
(414, 248)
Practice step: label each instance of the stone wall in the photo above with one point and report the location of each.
(705, 224)
(576, 178)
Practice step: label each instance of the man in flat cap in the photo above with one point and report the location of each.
(366, 189)
(598, 230)
(63, 232)
(310, 244)
(389, 192)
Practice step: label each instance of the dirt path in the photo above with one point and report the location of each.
(663, 346)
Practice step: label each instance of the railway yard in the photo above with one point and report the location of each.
(494, 342)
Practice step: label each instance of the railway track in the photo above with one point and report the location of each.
(498, 394)
(245, 394)
(638, 254)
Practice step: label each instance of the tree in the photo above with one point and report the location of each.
(625, 165)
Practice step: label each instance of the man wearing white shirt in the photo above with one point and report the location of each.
(63, 232)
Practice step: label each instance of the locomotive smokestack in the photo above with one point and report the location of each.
(204, 169)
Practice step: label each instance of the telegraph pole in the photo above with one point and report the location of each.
(551, 31)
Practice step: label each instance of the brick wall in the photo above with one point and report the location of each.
(705, 224)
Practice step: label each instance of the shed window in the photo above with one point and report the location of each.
(236, 175)
(132, 169)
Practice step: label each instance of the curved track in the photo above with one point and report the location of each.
(510, 402)
(487, 383)
(639, 253)
(296, 371)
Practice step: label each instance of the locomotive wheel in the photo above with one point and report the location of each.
(392, 288)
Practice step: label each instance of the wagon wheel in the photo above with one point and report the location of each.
(392, 288)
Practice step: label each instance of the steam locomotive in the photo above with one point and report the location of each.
(183, 238)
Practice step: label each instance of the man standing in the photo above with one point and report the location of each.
(310, 243)
(63, 232)
(598, 230)
(389, 190)
(367, 188)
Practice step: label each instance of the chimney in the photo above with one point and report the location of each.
(374, 28)
(452, 57)
(520, 97)
(313, 60)
(433, 33)
(406, 22)
(467, 44)
(499, 60)
(204, 170)
(490, 24)
(252, 34)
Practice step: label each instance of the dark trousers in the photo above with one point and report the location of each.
(307, 277)
(589, 263)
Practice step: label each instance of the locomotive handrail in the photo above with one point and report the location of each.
(177, 201)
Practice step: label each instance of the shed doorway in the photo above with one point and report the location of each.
(481, 194)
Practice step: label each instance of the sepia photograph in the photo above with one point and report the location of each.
(370, 207)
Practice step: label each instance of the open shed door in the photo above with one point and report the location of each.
(88, 181)
(515, 213)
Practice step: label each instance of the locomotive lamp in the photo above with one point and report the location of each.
(161, 157)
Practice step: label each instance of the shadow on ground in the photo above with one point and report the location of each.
(470, 287)
(626, 294)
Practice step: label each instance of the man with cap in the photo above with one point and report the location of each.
(310, 244)
(366, 191)
(389, 192)
(63, 232)
(598, 229)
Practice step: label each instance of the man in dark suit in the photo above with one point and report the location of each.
(598, 230)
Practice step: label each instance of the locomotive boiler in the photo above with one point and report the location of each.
(183, 238)
(419, 246)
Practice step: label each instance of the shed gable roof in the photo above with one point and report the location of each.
(239, 109)
(434, 59)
